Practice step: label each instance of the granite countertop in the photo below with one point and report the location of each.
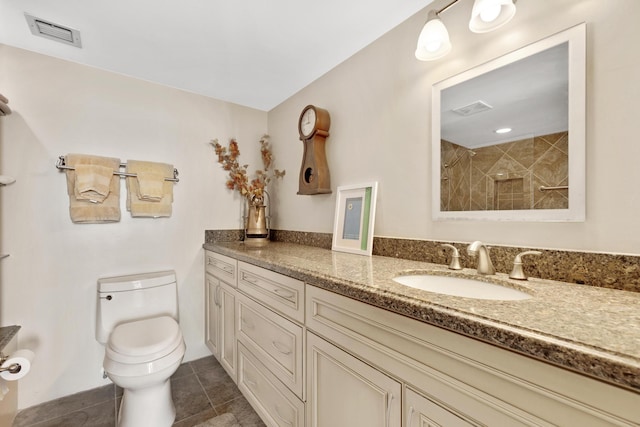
(6, 333)
(590, 330)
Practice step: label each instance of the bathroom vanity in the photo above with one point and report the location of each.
(320, 338)
(8, 396)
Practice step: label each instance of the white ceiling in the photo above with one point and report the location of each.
(255, 53)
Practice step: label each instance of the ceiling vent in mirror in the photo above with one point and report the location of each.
(473, 108)
(51, 31)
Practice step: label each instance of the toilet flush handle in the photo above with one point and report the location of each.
(108, 297)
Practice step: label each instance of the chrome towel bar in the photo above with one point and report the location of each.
(61, 165)
(559, 187)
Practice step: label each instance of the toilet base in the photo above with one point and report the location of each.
(150, 406)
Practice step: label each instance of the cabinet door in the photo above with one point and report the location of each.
(423, 412)
(344, 391)
(212, 314)
(227, 316)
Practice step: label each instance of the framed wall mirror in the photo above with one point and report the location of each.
(508, 136)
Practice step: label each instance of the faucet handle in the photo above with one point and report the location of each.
(517, 272)
(455, 257)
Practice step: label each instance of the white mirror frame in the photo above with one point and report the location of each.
(576, 38)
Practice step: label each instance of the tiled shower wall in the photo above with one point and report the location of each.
(505, 176)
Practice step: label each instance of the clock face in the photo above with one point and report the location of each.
(308, 122)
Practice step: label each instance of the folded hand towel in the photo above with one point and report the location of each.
(92, 182)
(4, 99)
(85, 211)
(150, 186)
(149, 208)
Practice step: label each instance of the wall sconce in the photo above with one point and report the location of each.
(486, 15)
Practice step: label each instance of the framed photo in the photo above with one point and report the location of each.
(355, 215)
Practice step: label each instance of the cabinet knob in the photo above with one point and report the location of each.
(281, 347)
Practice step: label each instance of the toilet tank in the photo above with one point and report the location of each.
(139, 296)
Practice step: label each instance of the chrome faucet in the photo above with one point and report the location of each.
(455, 257)
(517, 272)
(484, 260)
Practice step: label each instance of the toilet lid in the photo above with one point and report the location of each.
(145, 337)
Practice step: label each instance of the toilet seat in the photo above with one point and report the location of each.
(148, 370)
(144, 341)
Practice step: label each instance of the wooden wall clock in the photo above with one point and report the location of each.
(313, 127)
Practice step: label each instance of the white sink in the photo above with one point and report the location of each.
(461, 287)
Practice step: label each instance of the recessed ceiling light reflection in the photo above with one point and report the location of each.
(503, 130)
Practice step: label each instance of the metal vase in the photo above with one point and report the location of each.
(256, 227)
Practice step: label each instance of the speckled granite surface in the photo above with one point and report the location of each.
(614, 271)
(591, 330)
(6, 333)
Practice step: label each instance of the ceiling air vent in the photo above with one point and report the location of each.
(473, 108)
(51, 31)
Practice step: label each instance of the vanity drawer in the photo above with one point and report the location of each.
(278, 342)
(222, 267)
(281, 293)
(275, 403)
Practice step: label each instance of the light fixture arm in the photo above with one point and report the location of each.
(444, 9)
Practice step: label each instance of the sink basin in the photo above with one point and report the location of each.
(461, 287)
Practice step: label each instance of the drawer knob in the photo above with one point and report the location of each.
(285, 293)
(249, 279)
(281, 347)
(411, 411)
(249, 381)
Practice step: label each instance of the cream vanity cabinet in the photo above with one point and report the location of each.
(345, 391)
(446, 379)
(310, 357)
(270, 334)
(220, 316)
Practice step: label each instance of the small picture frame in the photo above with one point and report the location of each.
(354, 219)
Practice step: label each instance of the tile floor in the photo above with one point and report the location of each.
(201, 390)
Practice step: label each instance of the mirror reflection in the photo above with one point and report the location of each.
(511, 136)
(505, 137)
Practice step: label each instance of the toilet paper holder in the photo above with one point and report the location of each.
(13, 368)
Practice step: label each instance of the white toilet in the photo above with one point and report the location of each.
(137, 321)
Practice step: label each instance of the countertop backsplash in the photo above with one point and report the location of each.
(604, 270)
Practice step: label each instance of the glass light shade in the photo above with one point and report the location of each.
(433, 42)
(487, 15)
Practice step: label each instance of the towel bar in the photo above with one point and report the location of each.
(559, 187)
(61, 165)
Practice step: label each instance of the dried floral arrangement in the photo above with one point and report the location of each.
(253, 190)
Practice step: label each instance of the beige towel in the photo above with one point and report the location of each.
(149, 208)
(85, 211)
(92, 182)
(150, 186)
(4, 99)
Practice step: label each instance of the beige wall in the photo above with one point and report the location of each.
(48, 284)
(380, 105)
